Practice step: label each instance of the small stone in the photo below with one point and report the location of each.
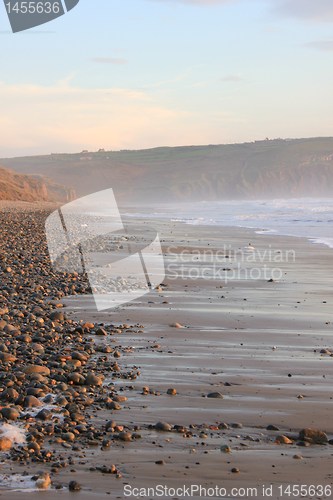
(160, 462)
(283, 440)
(237, 425)
(272, 428)
(57, 316)
(113, 406)
(101, 332)
(42, 370)
(163, 427)
(5, 443)
(314, 436)
(125, 436)
(172, 391)
(68, 436)
(176, 325)
(235, 470)
(44, 481)
(215, 395)
(44, 414)
(6, 357)
(74, 486)
(298, 457)
(9, 413)
(93, 380)
(225, 448)
(31, 402)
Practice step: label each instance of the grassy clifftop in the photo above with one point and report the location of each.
(271, 168)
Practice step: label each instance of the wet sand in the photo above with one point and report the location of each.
(256, 342)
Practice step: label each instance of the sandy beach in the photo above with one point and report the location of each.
(253, 344)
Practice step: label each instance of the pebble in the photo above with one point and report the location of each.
(44, 481)
(215, 395)
(74, 486)
(43, 370)
(282, 439)
(314, 436)
(10, 413)
(163, 427)
(225, 448)
(272, 428)
(5, 443)
(125, 436)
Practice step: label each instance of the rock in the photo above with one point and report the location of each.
(81, 356)
(176, 325)
(325, 351)
(44, 481)
(283, 440)
(163, 427)
(76, 378)
(235, 470)
(172, 392)
(5, 443)
(6, 357)
(119, 399)
(125, 436)
(57, 316)
(9, 413)
(9, 394)
(68, 436)
(31, 402)
(93, 380)
(225, 448)
(272, 428)
(101, 332)
(44, 415)
(113, 406)
(40, 369)
(313, 436)
(74, 486)
(236, 425)
(215, 395)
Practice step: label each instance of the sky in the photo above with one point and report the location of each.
(134, 74)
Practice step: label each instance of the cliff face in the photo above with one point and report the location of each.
(17, 187)
(262, 169)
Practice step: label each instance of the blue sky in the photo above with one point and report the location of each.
(144, 73)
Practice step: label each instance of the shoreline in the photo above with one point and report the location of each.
(244, 346)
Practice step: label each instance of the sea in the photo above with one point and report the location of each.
(310, 218)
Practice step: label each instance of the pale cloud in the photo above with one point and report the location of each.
(312, 10)
(232, 78)
(326, 45)
(109, 60)
(62, 117)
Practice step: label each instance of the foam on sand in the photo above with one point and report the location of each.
(13, 432)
